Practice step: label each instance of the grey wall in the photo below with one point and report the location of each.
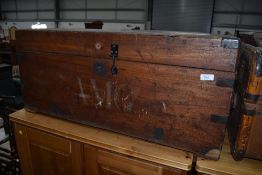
(186, 15)
(107, 10)
(27, 9)
(123, 14)
(237, 14)
(196, 15)
(182, 15)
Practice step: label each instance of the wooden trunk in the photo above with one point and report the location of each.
(245, 124)
(169, 88)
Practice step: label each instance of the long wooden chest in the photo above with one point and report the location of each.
(169, 88)
(245, 124)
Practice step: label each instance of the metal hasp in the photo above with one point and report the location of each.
(259, 64)
(230, 43)
(114, 55)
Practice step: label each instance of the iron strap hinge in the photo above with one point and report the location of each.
(252, 97)
(252, 113)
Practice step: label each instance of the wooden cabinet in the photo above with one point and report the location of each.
(44, 154)
(49, 146)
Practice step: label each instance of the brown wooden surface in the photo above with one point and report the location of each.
(22, 145)
(43, 154)
(254, 127)
(247, 78)
(226, 165)
(101, 162)
(157, 94)
(162, 95)
(254, 149)
(108, 141)
(172, 48)
(110, 163)
(245, 129)
(254, 85)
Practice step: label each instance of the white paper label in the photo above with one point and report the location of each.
(207, 77)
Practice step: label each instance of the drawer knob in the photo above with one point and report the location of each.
(20, 132)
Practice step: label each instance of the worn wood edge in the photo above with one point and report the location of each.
(226, 165)
(212, 171)
(209, 171)
(135, 32)
(14, 117)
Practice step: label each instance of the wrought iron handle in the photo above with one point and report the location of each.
(114, 55)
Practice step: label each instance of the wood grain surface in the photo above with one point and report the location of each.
(246, 118)
(192, 50)
(106, 140)
(226, 165)
(157, 95)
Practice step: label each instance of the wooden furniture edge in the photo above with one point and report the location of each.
(238, 169)
(14, 117)
(209, 171)
(226, 165)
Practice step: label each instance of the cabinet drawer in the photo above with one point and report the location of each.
(101, 162)
(110, 163)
